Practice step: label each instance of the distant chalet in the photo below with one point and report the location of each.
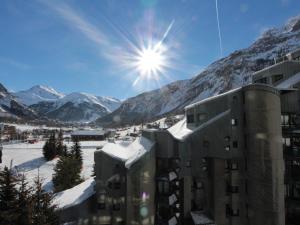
(89, 135)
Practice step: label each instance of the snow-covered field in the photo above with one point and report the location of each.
(28, 159)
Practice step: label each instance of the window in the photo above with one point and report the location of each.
(235, 144)
(277, 77)
(235, 212)
(188, 163)
(190, 118)
(116, 205)
(262, 80)
(233, 122)
(227, 138)
(201, 116)
(163, 187)
(229, 165)
(101, 201)
(205, 144)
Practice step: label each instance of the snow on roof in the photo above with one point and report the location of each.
(128, 153)
(211, 98)
(75, 195)
(172, 199)
(288, 83)
(172, 221)
(180, 130)
(200, 218)
(88, 132)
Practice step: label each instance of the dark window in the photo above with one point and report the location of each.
(101, 201)
(190, 118)
(117, 185)
(188, 163)
(262, 80)
(101, 206)
(227, 138)
(201, 117)
(277, 77)
(205, 144)
(163, 187)
(235, 144)
(116, 205)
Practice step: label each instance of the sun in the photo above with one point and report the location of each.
(150, 61)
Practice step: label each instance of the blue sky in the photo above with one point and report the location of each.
(90, 46)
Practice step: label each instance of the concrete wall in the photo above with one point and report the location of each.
(286, 68)
(264, 156)
(141, 191)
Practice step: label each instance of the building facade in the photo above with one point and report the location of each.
(233, 160)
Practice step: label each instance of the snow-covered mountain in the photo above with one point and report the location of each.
(77, 107)
(37, 94)
(10, 107)
(221, 76)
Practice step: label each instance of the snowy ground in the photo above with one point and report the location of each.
(28, 159)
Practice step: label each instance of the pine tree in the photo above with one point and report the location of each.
(43, 211)
(49, 149)
(65, 152)
(76, 152)
(24, 204)
(66, 174)
(8, 197)
(60, 143)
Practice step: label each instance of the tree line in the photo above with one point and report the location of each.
(24, 205)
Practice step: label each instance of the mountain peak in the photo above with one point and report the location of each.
(38, 93)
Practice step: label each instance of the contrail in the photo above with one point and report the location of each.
(218, 21)
(165, 35)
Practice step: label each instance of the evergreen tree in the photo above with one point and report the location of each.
(8, 197)
(49, 149)
(76, 152)
(43, 211)
(66, 174)
(24, 204)
(65, 152)
(60, 143)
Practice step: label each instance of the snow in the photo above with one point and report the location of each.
(211, 98)
(200, 218)
(172, 199)
(289, 82)
(172, 221)
(128, 153)
(37, 94)
(172, 176)
(28, 159)
(77, 98)
(27, 127)
(75, 195)
(180, 130)
(88, 132)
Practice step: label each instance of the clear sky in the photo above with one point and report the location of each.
(123, 47)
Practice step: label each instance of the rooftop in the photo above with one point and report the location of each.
(88, 132)
(181, 131)
(128, 153)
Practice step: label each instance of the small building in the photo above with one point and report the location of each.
(89, 135)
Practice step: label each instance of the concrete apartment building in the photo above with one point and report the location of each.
(233, 160)
(285, 76)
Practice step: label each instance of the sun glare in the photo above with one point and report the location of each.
(150, 61)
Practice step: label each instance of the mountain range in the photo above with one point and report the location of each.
(220, 76)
